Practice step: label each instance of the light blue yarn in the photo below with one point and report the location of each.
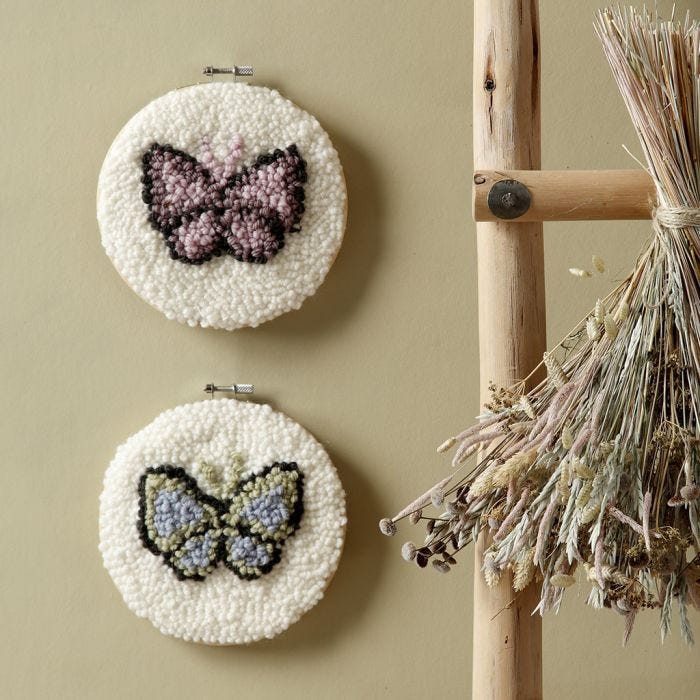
(175, 510)
(268, 509)
(200, 552)
(245, 549)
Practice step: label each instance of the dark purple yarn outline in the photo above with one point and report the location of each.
(216, 205)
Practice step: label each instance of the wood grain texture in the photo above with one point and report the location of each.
(507, 639)
(571, 195)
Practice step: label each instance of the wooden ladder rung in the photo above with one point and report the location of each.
(570, 195)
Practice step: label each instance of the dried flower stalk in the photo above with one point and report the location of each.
(599, 464)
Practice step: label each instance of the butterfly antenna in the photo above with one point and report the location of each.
(233, 473)
(234, 157)
(210, 474)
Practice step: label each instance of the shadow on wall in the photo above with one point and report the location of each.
(349, 276)
(347, 599)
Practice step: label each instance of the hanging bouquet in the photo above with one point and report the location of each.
(598, 467)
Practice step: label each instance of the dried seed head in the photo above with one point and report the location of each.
(623, 311)
(598, 263)
(437, 497)
(578, 272)
(408, 551)
(483, 483)
(611, 328)
(526, 406)
(581, 469)
(447, 444)
(563, 484)
(492, 574)
(691, 492)
(415, 517)
(590, 512)
(584, 494)
(441, 566)
(599, 311)
(567, 439)
(438, 547)
(562, 580)
(513, 468)
(554, 370)
(524, 569)
(463, 454)
(387, 527)
(421, 560)
(430, 526)
(593, 328)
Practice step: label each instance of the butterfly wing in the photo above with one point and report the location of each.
(179, 522)
(266, 509)
(249, 556)
(184, 202)
(197, 238)
(263, 203)
(252, 235)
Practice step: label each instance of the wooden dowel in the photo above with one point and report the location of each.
(507, 647)
(571, 195)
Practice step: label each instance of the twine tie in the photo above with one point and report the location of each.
(677, 217)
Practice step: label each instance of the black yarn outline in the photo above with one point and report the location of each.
(222, 508)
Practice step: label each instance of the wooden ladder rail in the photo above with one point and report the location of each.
(512, 197)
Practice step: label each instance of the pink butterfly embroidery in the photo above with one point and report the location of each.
(207, 208)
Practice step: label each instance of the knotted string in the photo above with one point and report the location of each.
(677, 217)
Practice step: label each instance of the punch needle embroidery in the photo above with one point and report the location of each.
(210, 531)
(205, 208)
(222, 204)
(193, 532)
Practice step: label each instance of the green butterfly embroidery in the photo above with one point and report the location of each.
(193, 531)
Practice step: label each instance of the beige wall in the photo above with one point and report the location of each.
(380, 365)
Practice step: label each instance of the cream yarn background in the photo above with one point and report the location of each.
(381, 364)
(222, 293)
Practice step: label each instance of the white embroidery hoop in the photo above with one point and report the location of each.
(222, 293)
(222, 609)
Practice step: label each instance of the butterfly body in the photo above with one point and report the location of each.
(204, 209)
(193, 531)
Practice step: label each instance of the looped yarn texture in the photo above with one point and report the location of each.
(677, 217)
(222, 522)
(223, 205)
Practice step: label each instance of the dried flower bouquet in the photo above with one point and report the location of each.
(598, 466)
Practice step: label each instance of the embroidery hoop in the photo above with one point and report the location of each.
(222, 293)
(222, 609)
